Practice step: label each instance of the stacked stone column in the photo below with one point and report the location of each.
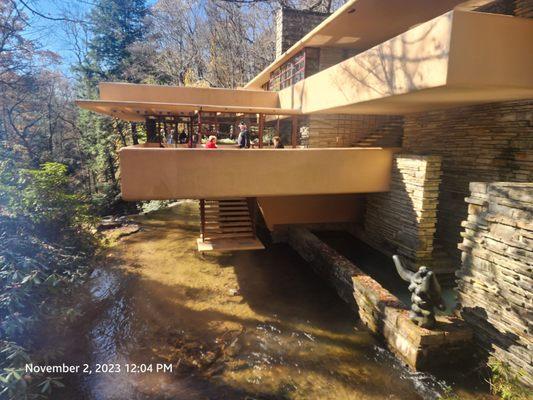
(402, 221)
(524, 8)
(495, 280)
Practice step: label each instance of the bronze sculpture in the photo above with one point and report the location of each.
(426, 294)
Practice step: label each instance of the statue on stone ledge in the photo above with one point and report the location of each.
(426, 294)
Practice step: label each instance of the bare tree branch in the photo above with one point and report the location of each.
(50, 18)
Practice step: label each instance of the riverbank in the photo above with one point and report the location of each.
(248, 324)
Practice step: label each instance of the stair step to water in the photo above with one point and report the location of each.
(231, 219)
(228, 236)
(227, 225)
(218, 209)
(229, 230)
(226, 213)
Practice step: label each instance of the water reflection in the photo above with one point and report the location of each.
(244, 325)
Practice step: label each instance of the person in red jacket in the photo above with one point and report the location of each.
(211, 142)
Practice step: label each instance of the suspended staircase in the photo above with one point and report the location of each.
(381, 138)
(228, 224)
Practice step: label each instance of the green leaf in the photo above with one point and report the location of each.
(45, 386)
(57, 383)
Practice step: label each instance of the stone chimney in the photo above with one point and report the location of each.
(292, 25)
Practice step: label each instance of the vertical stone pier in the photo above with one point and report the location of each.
(496, 277)
(403, 220)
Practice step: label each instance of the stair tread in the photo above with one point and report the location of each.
(227, 200)
(228, 236)
(230, 244)
(229, 232)
(230, 229)
(217, 209)
(226, 212)
(246, 224)
(227, 220)
(227, 223)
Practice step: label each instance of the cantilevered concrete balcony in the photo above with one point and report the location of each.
(154, 173)
(135, 102)
(459, 58)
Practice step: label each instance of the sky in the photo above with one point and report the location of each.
(52, 34)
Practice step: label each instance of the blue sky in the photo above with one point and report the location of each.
(52, 34)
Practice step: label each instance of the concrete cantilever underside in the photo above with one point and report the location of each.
(456, 59)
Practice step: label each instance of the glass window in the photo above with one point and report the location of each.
(300, 66)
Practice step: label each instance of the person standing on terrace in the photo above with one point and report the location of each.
(243, 141)
(170, 137)
(211, 142)
(183, 136)
(278, 144)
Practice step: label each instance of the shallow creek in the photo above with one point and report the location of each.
(255, 325)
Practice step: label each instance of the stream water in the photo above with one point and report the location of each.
(247, 325)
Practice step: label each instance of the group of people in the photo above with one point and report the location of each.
(243, 140)
(172, 138)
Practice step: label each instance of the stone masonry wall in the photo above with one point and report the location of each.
(402, 221)
(498, 7)
(381, 311)
(524, 8)
(330, 56)
(292, 25)
(489, 142)
(344, 130)
(496, 277)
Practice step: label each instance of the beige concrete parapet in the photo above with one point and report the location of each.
(153, 173)
(455, 59)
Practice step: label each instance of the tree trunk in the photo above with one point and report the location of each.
(151, 131)
(134, 135)
(118, 126)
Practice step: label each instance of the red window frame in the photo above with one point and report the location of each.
(291, 72)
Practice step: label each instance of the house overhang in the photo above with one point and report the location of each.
(360, 25)
(135, 102)
(459, 58)
(138, 111)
